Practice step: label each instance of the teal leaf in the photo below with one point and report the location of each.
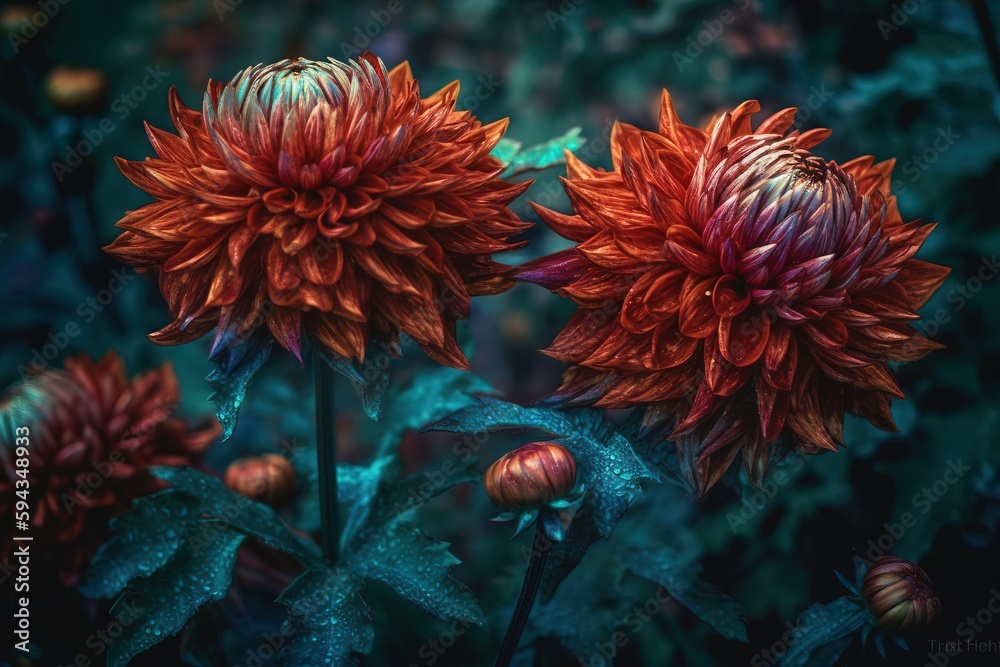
(398, 495)
(540, 156)
(505, 150)
(653, 445)
(220, 505)
(586, 612)
(357, 487)
(343, 365)
(606, 466)
(411, 407)
(169, 577)
(327, 621)
(145, 539)
(822, 632)
(827, 654)
(157, 606)
(372, 495)
(494, 415)
(681, 578)
(374, 371)
(853, 586)
(416, 566)
(938, 458)
(238, 364)
(370, 378)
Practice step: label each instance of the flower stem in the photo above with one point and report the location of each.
(532, 579)
(326, 460)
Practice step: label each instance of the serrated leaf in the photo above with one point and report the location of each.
(370, 378)
(357, 487)
(653, 446)
(505, 150)
(145, 539)
(238, 364)
(416, 566)
(540, 156)
(820, 630)
(493, 415)
(373, 495)
(328, 619)
(587, 611)
(432, 395)
(606, 465)
(217, 502)
(681, 578)
(398, 495)
(211, 638)
(157, 606)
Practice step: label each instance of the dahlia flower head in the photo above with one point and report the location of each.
(93, 432)
(742, 291)
(324, 201)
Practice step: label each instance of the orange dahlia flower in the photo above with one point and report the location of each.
(744, 291)
(322, 199)
(92, 434)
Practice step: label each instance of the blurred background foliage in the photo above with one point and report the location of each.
(906, 80)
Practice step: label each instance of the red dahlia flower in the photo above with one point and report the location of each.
(746, 292)
(326, 199)
(93, 432)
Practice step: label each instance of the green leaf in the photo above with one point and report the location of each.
(586, 612)
(432, 395)
(157, 606)
(182, 574)
(145, 539)
(370, 378)
(681, 578)
(495, 415)
(505, 150)
(540, 156)
(328, 619)
(219, 504)
(401, 494)
(416, 566)
(606, 465)
(934, 484)
(821, 630)
(357, 487)
(238, 364)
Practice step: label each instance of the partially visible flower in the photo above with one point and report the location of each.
(92, 434)
(324, 200)
(743, 292)
(899, 595)
(15, 19)
(268, 478)
(76, 90)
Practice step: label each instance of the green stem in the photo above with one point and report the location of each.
(326, 459)
(532, 579)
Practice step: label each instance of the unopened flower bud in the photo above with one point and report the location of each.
(531, 476)
(77, 90)
(268, 478)
(899, 595)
